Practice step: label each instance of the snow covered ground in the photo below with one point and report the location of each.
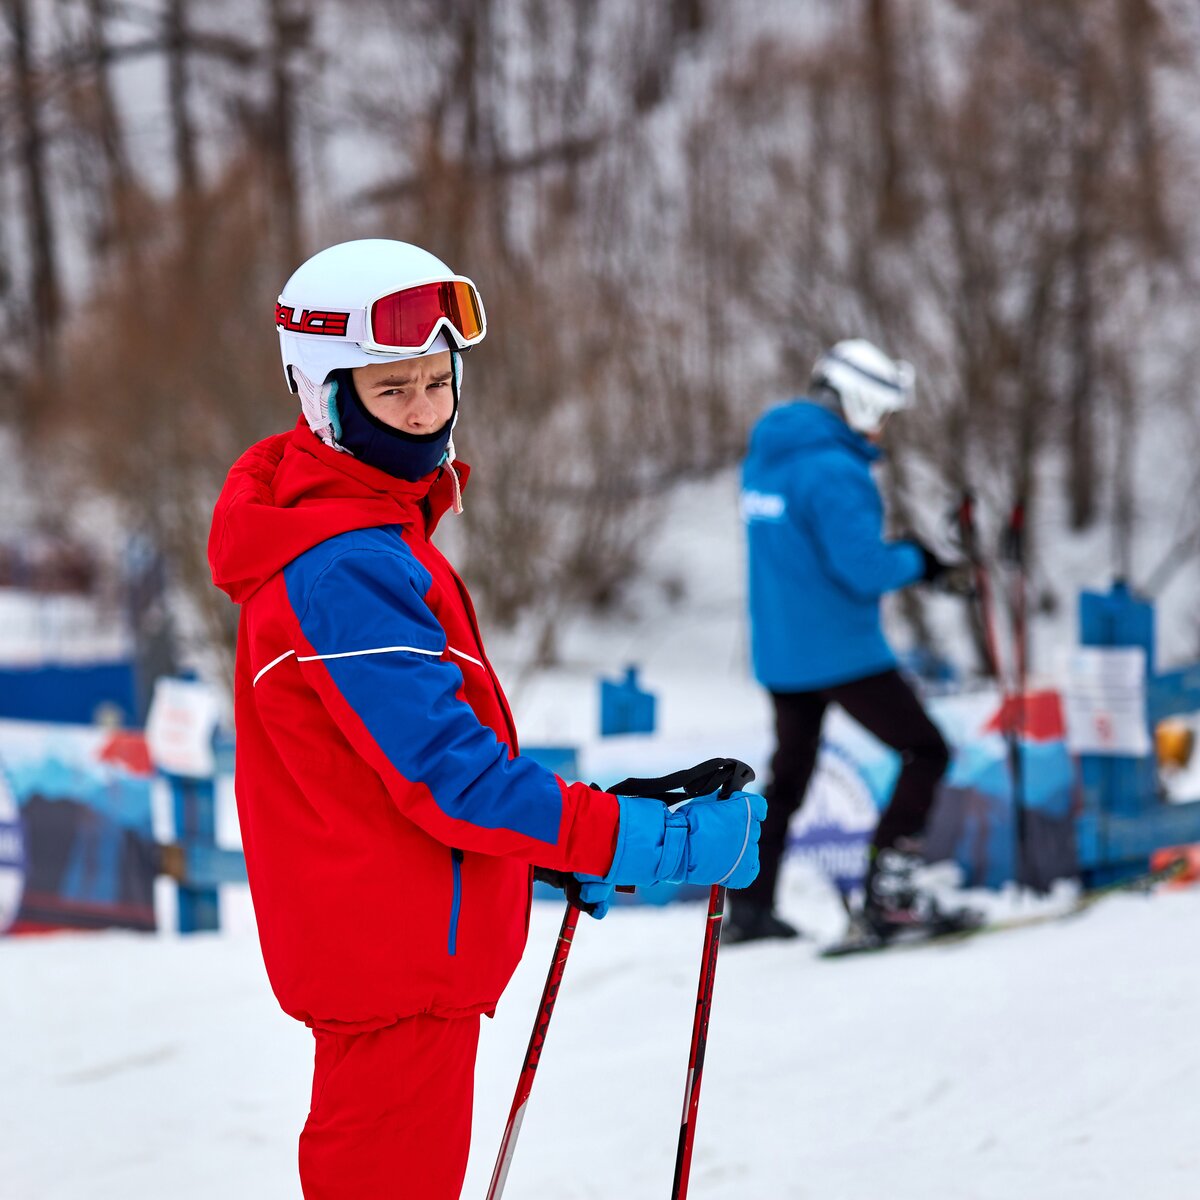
(1054, 1062)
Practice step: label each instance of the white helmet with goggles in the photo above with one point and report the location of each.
(369, 301)
(869, 385)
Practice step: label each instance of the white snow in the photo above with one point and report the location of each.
(1055, 1062)
(36, 629)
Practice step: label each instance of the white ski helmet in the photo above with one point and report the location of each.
(869, 385)
(369, 301)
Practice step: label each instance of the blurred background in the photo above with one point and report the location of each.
(669, 209)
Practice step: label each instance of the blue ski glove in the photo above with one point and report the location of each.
(596, 896)
(708, 839)
(566, 883)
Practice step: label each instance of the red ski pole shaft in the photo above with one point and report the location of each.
(704, 995)
(533, 1054)
(983, 590)
(1015, 553)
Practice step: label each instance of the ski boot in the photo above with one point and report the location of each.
(892, 899)
(898, 896)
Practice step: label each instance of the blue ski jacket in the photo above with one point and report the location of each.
(818, 563)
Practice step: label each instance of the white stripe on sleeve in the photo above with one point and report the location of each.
(273, 663)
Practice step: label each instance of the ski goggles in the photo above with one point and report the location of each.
(401, 322)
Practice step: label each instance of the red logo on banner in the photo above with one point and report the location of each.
(127, 749)
(1036, 715)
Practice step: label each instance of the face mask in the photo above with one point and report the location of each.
(405, 455)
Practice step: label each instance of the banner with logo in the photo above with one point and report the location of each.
(76, 845)
(972, 820)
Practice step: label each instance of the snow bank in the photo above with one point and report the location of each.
(1054, 1063)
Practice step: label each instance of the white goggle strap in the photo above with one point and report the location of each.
(318, 403)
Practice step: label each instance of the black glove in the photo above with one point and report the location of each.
(565, 881)
(958, 579)
(934, 568)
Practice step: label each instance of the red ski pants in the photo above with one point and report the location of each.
(391, 1112)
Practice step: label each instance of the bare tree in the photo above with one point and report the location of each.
(123, 192)
(665, 234)
(45, 288)
(158, 432)
(178, 43)
(881, 38)
(291, 26)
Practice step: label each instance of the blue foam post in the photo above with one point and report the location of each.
(195, 803)
(1124, 819)
(625, 707)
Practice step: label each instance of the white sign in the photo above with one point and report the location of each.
(180, 726)
(1106, 701)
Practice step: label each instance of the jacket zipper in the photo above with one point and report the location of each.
(456, 858)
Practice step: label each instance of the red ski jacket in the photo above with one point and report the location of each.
(388, 821)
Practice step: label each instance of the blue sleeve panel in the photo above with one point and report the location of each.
(360, 601)
(845, 516)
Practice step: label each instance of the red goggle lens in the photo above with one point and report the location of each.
(406, 319)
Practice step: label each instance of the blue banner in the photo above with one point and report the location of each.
(77, 847)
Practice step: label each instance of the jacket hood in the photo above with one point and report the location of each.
(291, 492)
(802, 425)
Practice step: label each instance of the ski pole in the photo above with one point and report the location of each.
(723, 774)
(1014, 554)
(740, 775)
(691, 1093)
(969, 537)
(541, 1026)
(533, 1054)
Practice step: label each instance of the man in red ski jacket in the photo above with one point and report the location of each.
(389, 823)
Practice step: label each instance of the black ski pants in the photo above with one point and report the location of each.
(887, 707)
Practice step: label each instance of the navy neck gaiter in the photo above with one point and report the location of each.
(407, 456)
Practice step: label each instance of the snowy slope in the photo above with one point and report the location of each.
(1050, 1064)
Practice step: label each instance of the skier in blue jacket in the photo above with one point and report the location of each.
(819, 566)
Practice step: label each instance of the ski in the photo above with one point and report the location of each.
(862, 938)
(960, 926)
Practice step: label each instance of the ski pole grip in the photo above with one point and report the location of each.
(721, 775)
(740, 774)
